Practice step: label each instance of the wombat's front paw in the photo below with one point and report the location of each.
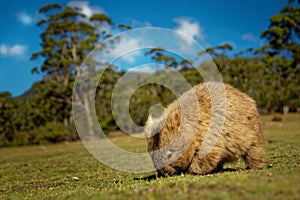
(167, 171)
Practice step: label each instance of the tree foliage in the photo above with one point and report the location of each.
(67, 38)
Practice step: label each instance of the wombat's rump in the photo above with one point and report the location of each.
(241, 134)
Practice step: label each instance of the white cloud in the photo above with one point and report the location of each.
(190, 28)
(24, 18)
(122, 48)
(138, 24)
(15, 50)
(249, 37)
(143, 70)
(85, 8)
(88, 11)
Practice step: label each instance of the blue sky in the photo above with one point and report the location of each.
(208, 22)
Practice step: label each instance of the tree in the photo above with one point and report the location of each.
(218, 54)
(67, 38)
(283, 33)
(282, 53)
(7, 107)
(159, 55)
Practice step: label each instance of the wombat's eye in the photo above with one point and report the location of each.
(169, 155)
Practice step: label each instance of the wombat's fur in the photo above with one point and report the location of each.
(241, 134)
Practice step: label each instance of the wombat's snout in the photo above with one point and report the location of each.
(164, 161)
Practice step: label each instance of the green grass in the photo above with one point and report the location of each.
(47, 172)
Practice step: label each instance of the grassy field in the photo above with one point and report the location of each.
(68, 171)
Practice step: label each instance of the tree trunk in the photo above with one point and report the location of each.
(285, 109)
(89, 118)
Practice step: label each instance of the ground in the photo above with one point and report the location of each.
(67, 170)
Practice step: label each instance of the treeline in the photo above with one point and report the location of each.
(43, 114)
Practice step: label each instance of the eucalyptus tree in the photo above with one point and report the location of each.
(67, 38)
(281, 54)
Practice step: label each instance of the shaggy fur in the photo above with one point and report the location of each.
(241, 135)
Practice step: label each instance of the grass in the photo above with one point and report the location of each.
(68, 171)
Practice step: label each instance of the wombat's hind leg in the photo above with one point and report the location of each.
(254, 157)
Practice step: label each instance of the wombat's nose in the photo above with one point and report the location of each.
(156, 110)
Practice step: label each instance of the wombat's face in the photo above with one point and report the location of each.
(161, 131)
(153, 130)
(160, 134)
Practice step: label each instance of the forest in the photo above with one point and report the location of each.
(43, 114)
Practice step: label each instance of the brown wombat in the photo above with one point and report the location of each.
(176, 139)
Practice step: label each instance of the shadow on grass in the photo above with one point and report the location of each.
(156, 176)
(230, 170)
(149, 178)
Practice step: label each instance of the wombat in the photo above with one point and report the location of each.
(176, 141)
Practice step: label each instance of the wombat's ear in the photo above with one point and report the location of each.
(150, 119)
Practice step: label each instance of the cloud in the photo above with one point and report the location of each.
(89, 11)
(189, 27)
(24, 18)
(15, 50)
(85, 8)
(122, 48)
(249, 37)
(138, 24)
(143, 69)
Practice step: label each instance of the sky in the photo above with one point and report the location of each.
(208, 22)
